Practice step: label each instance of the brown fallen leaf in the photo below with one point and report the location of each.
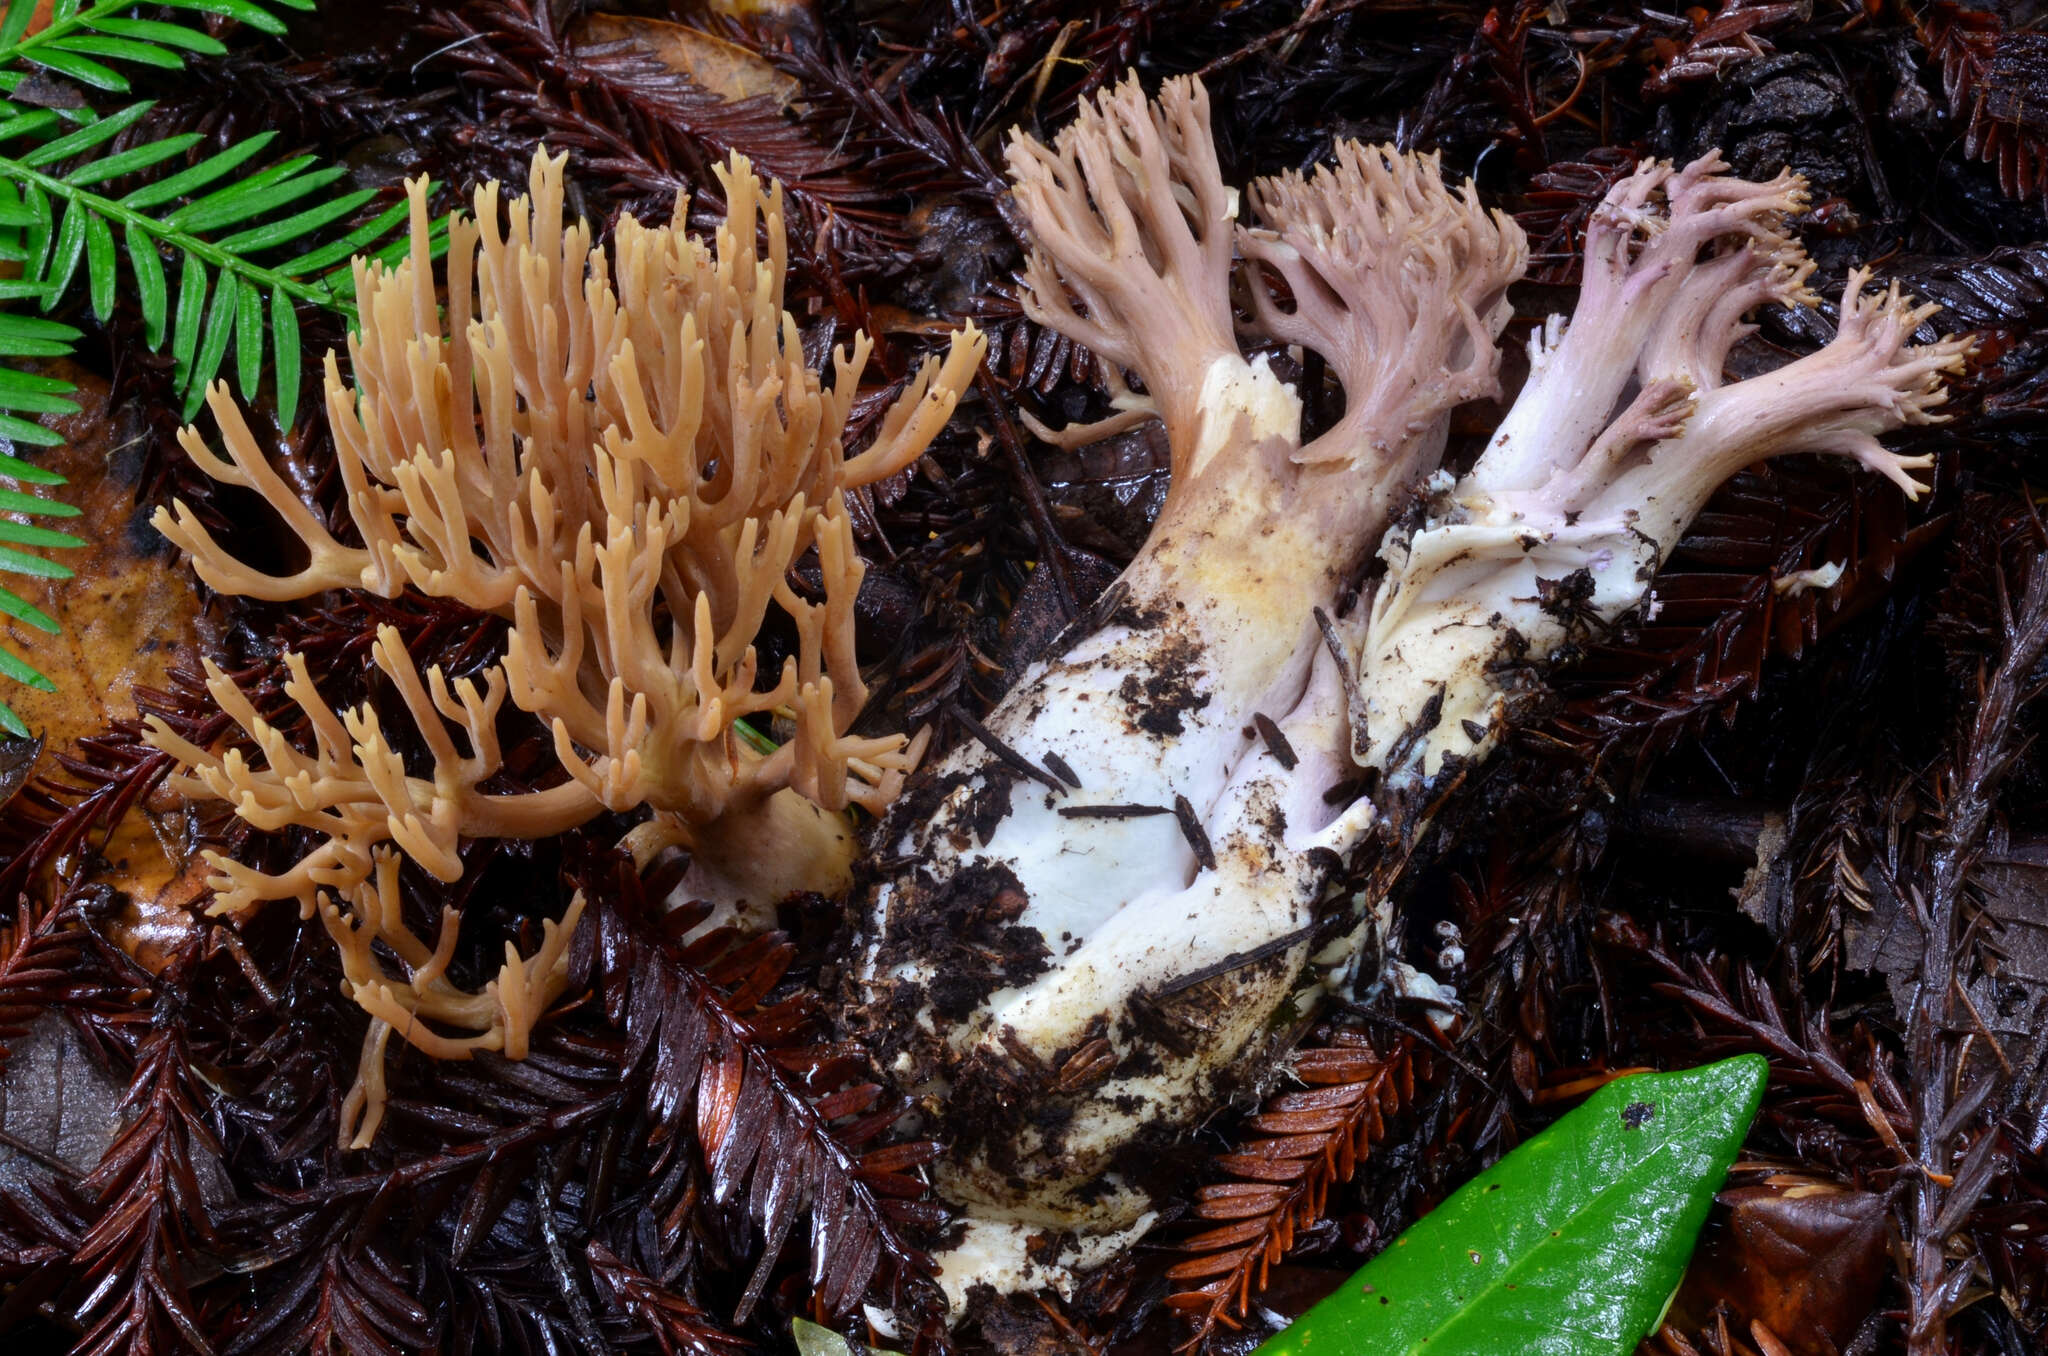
(18, 760)
(59, 1107)
(1803, 1261)
(725, 68)
(130, 611)
(127, 616)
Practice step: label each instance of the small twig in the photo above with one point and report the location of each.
(1354, 703)
(1430, 1037)
(1316, 12)
(30, 1151)
(1052, 548)
(1010, 757)
(572, 1293)
(1236, 960)
(1113, 811)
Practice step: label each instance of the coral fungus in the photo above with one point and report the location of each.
(624, 454)
(1169, 885)
(1077, 972)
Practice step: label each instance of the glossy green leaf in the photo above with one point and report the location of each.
(65, 254)
(27, 124)
(88, 136)
(129, 161)
(213, 345)
(230, 198)
(814, 1339)
(1570, 1246)
(27, 472)
(28, 534)
(13, 211)
(337, 251)
(24, 611)
(121, 49)
(13, 666)
(16, 501)
(19, 13)
(30, 393)
(27, 431)
(84, 70)
(252, 197)
(36, 238)
(199, 175)
(185, 328)
(162, 34)
(242, 11)
(31, 336)
(298, 224)
(21, 562)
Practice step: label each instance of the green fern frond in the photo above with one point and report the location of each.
(247, 246)
(80, 40)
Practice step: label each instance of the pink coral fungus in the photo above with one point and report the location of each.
(1077, 966)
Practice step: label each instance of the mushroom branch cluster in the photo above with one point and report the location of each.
(1107, 916)
(623, 454)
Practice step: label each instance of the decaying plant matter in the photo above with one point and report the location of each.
(1787, 803)
(1139, 846)
(1304, 1142)
(626, 454)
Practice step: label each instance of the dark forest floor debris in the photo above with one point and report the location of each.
(1791, 809)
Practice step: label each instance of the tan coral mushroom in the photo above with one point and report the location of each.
(624, 454)
(354, 789)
